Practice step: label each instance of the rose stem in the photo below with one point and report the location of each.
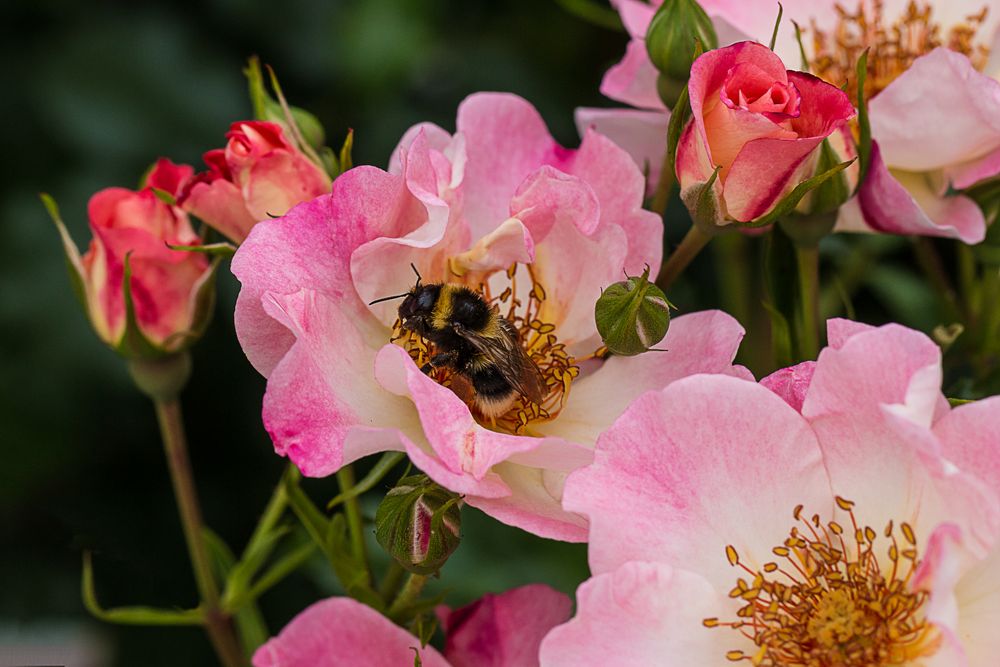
(411, 590)
(168, 412)
(663, 187)
(352, 509)
(807, 256)
(930, 263)
(991, 308)
(690, 246)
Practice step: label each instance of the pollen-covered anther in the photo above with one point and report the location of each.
(832, 599)
(539, 341)
(893, 46)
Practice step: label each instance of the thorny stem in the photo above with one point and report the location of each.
(690, 246)
(355, 524)
(220, 632)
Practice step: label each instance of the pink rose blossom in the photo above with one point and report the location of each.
(464, 208)
(760, 125)
(165, 284)
(258, 175)
(715, 494)
(501, 630)
(935, 125)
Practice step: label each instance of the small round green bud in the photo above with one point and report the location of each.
(418, 523)
(671, 39)
(632, 315)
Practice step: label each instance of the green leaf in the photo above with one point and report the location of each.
(792, 199)
(590, 11)
(864, 125)
(346, 159)
(72, 255)
(777, 24)
(223, 249)
(134, 615)
(386, 463)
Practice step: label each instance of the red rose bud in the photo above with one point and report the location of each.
(418, 524)
(142, 298)
(260, 174)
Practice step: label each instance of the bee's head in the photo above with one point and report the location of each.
(418, 307)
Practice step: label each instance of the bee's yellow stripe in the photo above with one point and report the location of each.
(443, 307)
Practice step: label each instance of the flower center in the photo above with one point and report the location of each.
(536, 337)
(830, 601)
(894, 46)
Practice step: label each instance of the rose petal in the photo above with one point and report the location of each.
(503, 630)
(672, 479)
(791, 383)
(548, 196)
(978, 597)
(641, 614)
(220, 204)
(643, 134)
(970, 438)
(939, 112)
(633, 80)
(342, 631)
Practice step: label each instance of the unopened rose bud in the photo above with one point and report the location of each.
(673, 36)
(143, 299)
(418, 524)
(632, 315)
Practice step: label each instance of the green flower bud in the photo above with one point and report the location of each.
(633, 315)
(671, 39)
(418, 523)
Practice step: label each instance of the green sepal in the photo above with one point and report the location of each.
(628, 310)
(133, 615)
(74, 265)
(416, 504)
(864, 125)
(250, 625)
(222, 249)
(802, 49)
(831, 194)
(346, 160)
(792, 199)
(166, 197)
(777, 24)
(266, 107)
(593, 13)
(955, 402)
(385, 463)
(678, 119)
(703, 204)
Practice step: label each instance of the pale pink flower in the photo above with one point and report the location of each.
(715, 495)
(935, 125)
(462, 208)
(502, 630)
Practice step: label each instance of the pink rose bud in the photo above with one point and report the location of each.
(260, 174)
(143, 298)
(758, 126)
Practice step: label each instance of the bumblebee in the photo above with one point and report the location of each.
(473, 340)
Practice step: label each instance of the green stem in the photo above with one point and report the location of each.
(930, 262)
(411, 591)
(391, 581)
(807, 257)
(690, 246)
(168, 413)
(355, 525)
(991, 309)
(733, 271)
(663, 187)
(967, 283)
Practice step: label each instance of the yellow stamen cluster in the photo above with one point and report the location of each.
(828, 600)
(894, 46)
(537, 338)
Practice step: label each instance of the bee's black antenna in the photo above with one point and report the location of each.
(416, 272)
(388, 298)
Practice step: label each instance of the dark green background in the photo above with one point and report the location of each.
(96, 91)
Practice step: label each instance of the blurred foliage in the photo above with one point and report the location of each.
(98, 90)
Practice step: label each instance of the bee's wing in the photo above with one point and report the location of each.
(504, 350)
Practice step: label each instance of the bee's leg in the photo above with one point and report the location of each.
(438, 360)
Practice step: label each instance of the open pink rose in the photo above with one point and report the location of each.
(837, 513)
(501, 630)
(260, 174)
(759, 124)
(169, 289)
(500, 194)
(934, 125)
